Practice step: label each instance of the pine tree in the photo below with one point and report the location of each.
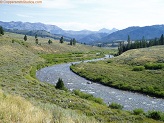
(162, 40)
(36, 41)
(1, 30)
(143, 42)
(74, 41)
(36, 36)
(25, 38)
(129, 43)
(71, 42)
(60, 84)
(61, 40)
(49, 41)
(120, 48)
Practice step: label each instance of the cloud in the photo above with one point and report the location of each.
(89, 14)
(81, 26)
(24, 16)
(72, 25)
(58, 4)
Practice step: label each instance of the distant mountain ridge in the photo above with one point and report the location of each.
(135, 33)
(79, 35)
(104, 30)
(31, 26)
(86, 36)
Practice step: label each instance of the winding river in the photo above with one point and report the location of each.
(72, 81)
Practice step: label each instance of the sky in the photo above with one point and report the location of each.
(86, 14)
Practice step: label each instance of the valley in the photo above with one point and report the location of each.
(19, 61)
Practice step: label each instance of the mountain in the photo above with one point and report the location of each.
(92, 38)
(97, 35)
(104, 30)
(78, 34)
(31, 26)
(83, 35)
(135, 33)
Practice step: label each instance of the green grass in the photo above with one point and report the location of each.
(135, 70)
(18, 62)
(88, 96)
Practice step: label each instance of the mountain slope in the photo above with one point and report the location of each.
(40, 33)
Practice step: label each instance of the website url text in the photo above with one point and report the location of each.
(20, 1)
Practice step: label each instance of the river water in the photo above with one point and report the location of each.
(72, 81)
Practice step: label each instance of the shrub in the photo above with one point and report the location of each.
(109, 61)
(88, 96)
(138, 111)
(13, 40)
(154, 66)
(115, 106)
(138, 68)
(154, 115)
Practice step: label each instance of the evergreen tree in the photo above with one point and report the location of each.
(36, 36)
(62, 40)
(129, 43)
(161, 40)
(74, 41)
(25, 38)
(143, 42)
(36, 41)
(120, 48)
(1, 30)
(49, 41)
(71, 42)
(60, 84)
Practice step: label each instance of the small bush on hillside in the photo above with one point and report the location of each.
(109, 61)
(13, 40)
(138, 111)
(154, 66)
(88, 96)
(155, 115)
(116, 106)
(138, 68)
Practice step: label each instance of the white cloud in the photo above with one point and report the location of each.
(57, 4)
(71, 25)
(81, 26)
(24, 16)
(90, 14)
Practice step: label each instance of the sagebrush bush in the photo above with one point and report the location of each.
(154, 66)
(88, 96)
(138, 111)
(116, 106)
(138, 68)
(154, 115)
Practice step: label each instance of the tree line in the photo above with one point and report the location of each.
(72, 41)
(122, 47)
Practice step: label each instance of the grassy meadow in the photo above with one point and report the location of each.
(140, 70)
(24, 99)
